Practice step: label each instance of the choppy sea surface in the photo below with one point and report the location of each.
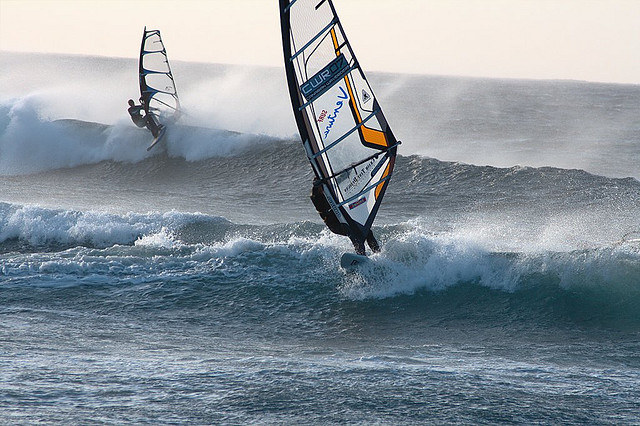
(196, 284)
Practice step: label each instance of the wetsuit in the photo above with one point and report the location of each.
(147, 120)
(321, 204)
(373, 243)
(136, 116)
(152, 125)
(324, 209)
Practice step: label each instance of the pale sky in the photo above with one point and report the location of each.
(594, 40)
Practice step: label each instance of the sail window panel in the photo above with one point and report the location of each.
(317, 58)
(332, 113)
(355, 179)
(334, 119)
(359, 204)
(360, 209)
(363, 94)
(309, 21)
(349, 151)
(153, 43)
(160, 82)
(373, 124)
(155, 62)
(163, 104)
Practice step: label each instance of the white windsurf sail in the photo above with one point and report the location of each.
(157, 87)
(345, 134)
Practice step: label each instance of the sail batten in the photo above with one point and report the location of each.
(346, 136)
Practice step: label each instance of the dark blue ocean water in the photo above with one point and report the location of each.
(196, 284)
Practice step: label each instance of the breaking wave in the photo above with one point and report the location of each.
(30, 143)
(54, 246)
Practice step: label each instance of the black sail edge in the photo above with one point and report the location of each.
(141, 76)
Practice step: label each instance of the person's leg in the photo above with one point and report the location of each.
(152, 125)
(373, 243)
(359, 247)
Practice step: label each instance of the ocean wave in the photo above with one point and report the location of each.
(416, 260)
(31, 143)
(48, 228)
(413, 261)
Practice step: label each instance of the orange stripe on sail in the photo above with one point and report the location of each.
(335, 41)
(381, 184)
(374, 136)
(355, 107)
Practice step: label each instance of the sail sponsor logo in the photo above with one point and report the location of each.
(323, 115)
(357, 203)
(358, 177)
(339, 104)
(324, 78)
(365, 96)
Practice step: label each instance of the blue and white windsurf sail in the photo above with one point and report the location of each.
(157, 87)
(345, 134)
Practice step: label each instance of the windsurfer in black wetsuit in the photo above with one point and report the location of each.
(323, 207)
(135, 111)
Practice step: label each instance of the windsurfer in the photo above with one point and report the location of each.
(135, 111)
(327, 214)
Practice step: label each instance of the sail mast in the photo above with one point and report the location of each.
(141, 73)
